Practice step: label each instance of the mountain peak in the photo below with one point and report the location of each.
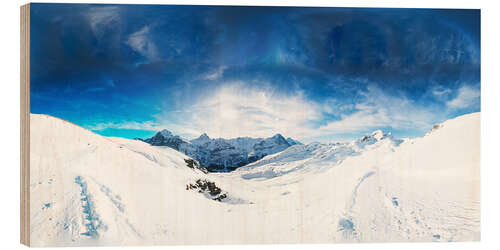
(378, 134)
(166, 133)
(204, 136)
(278, 136)
(374, 137)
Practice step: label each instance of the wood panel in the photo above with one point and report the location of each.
(25, 124)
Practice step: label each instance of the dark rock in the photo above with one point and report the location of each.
(208, 187)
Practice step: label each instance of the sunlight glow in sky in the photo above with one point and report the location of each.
(313, 74)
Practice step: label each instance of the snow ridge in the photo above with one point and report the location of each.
(301, 157)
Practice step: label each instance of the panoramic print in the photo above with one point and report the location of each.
(174, 124)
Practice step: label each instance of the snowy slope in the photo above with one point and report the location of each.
(314, 156)
(425, 189)
(87, 189)
(91, 190)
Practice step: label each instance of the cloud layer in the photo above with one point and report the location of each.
(467, 96)
(238, 109)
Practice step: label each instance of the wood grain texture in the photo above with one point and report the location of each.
(25, 124)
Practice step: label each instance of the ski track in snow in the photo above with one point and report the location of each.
(115, 199)
(355, 192)
(90, 217)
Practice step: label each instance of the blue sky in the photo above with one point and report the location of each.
(314, 74)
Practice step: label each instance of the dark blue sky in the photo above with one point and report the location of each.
(310, 73)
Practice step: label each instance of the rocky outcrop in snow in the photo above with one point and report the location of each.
(166, 138)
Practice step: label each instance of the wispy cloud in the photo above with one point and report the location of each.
(97, 89)
(101, 17)
(141, 42)
(440, 92)
(111, 83)
(237, 109)
(466, 97)
(147, 125)
(215, 74)
(378, 109)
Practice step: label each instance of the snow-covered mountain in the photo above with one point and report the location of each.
(92, 190)
(306, 157)
(166, 138)
(292, 141)
(268, 146)
(223, 155)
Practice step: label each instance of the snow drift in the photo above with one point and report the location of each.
(91, 190)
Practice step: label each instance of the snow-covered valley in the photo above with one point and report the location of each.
(92, 190)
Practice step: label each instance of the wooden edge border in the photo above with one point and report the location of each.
(25, 124)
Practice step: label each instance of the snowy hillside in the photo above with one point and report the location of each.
(223, 155)
(91, 190)
(314, 156)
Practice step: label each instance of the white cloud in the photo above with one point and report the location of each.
(140, 41)
(377, 109)
(101, 17)
(107, 85)
(215, 75)
(237, 109)
(148, 125)
(466, 97)
(440, 92)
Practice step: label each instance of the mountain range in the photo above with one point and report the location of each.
(223, 155)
